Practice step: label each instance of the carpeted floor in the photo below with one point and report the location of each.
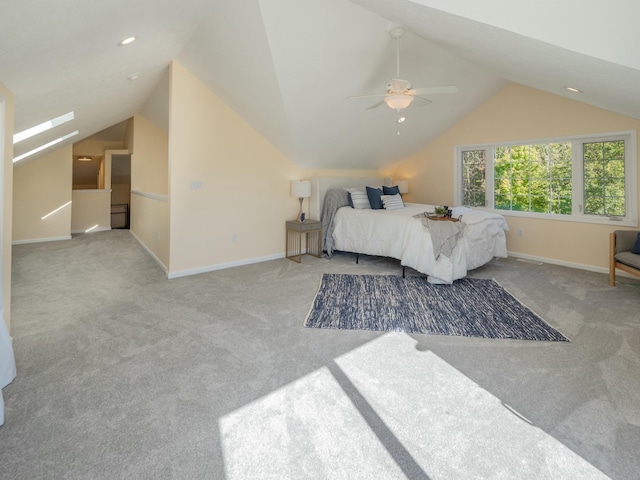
(124, 374)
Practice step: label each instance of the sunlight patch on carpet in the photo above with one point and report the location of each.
(449, 425)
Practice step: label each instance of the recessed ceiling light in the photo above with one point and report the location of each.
(573, 89)
(127, 41)
(402, 119)
(133, 77)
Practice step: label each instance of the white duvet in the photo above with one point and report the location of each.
(396, 234)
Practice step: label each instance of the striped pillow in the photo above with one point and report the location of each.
(392, 202)
(359, 198)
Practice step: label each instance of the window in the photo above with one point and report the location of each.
(587, 178)
(604, 178)
(473, 164)
(44, 147)
(43, 127)
(38, 129)
(533, 178)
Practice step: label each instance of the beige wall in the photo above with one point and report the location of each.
(149, 176)
(245, 182)
(6, 160)
(91, 211)
(127, 143)
(150, 157)
(40, 187)
(95, 146)
(152, 226)
(520, 113)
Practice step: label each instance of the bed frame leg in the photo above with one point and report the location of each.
(403, 267)
(357, 258)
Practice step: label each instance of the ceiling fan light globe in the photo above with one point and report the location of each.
(398, 102)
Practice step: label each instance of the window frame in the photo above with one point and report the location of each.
(577, 173)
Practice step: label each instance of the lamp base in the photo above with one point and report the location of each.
(301, 216)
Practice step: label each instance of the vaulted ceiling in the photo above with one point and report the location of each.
(288, 66)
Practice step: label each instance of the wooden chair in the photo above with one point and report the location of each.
(621, 243)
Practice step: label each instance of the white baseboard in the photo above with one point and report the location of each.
(562, 263)
(222, 266)
(39, 240)
(150, 252)
(103, 229)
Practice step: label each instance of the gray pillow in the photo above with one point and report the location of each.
(636, 247)
(395, 190)
(375, 198)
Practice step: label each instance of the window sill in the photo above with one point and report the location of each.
(623, 222)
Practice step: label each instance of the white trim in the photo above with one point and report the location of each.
(562, 263)
(40, 240)
(154, 196)
(92, 190)
(103, 229)
(151, 254)
(565, 218)
(222, 266)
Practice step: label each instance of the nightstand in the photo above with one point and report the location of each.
(312, 229)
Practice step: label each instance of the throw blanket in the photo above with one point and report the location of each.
(444, 234)
(333, 200)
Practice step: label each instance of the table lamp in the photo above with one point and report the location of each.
(302, 190)
(403, 186)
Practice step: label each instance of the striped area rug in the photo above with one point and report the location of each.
(470, 307)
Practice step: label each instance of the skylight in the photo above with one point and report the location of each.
(42, 147)
(43, 127)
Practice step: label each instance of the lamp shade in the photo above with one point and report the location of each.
(398, 101)
(403, 186)
(301, 188)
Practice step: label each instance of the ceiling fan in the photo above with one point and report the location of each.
(399, 92)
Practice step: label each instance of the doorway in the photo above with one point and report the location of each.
(120, 191)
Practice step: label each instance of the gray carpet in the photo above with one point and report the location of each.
(469, 307)
(124, 374)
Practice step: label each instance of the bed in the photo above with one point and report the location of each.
(404, 234)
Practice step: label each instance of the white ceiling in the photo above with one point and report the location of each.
(288, 66)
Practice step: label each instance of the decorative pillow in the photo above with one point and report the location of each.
(359, 198)
(636, 247)
(390, 190)
(375, 199)
(392, 202)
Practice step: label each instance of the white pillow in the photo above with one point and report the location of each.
(359, 198)
(392, 202)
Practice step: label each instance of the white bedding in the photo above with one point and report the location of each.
(396, 234)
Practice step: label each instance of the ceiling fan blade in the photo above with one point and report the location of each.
(376, 105)
(434, 90)
(420, 102)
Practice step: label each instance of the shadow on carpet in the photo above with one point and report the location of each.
(470, 307)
